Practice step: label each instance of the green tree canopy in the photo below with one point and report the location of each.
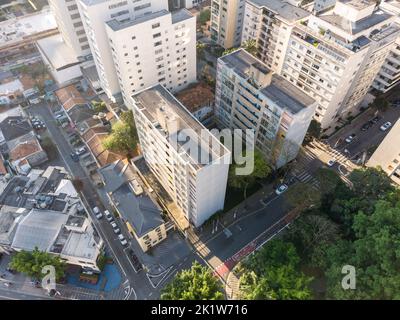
(261, 171)
(380, 103)
(204, 16)
(273, 273)
(196, 283)
(32, 263)
(370, 182)
(303, 196)
(123, 137)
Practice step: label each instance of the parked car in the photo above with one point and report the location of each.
(80, 151)
(350, 138)
(97, 213)
(122, 240)
(376, 119)
(135, 261)
(385, 126)
(281, 189)
(74, 157)
(366, 126)
(108, 215)
(331, 162)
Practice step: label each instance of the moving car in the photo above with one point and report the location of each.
(281, 189)
(350, 138)
(385, 126)
(331, 163)
(135, 261)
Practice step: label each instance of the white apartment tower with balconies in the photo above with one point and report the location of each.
(95, 14)
(333, 57)
(251, 97)
(159, 47)
(70, 25)
(226, 22)
(189, 162)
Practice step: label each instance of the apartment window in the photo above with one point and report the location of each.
(157, 35)
(156, 25)
(158, 43)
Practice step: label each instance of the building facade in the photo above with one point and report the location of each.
(387, 156)
(250, 97)
(159, 47)
(70, 25)
(226, 22)
(95, 14)
(333, 57)
(190, 163)
(389, 75)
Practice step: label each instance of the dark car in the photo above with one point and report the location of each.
(135, 261)
(376, 119)
(366, 126)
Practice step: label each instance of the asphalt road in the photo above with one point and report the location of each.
(364, 140)
(137, 282)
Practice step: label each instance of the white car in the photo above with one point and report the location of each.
(350, 138)
(385, 126)
(117, 230)
(331, 163)
(113, 224)
(97, 213)
(108, 215)
(281, 189)
(122, 239)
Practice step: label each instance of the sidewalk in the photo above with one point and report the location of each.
(241, 211)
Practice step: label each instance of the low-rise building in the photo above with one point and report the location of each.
(42, 210)
(134, 205)
(387, 156)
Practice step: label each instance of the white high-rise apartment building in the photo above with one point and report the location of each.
(250, 96)
(226, 22)
(159, 47)
(95, 14)
(190, 163)
(387, 156)
(70, 25)
(333, 57)
(389, 75)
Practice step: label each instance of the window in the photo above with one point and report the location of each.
(156, 25)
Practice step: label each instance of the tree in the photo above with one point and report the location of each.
(228, 51)
(370, 182)
(272, 273)
(32, 263)
(374, 253)
(328, 181)
(196, 283)
(200, 47)
(204, 16)
(380, 103)
(310, 231)
(78, 184)
(303, 196)
(261, 171)
(99, 106)
(123, 137)
(250, 46)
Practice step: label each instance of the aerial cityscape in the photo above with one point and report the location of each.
(199, 150)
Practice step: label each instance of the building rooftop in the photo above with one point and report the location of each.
(134, 204)
(38, 229)
(277, 89)
(69, 97)
(285, 10)
(25, 149)
(116, 25)
(14, 127)
(13, 30)
(57, 52)
(81, 245)
(196, 96)
(182, 130)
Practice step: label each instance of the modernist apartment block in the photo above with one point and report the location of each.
(333, 57)
(226, 22)
(250, 96)
(190, 163)
(389, 75)
(70, 25)
(95, 14)
(387, 156)
(159, 47)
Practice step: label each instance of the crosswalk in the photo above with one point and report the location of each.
(321, 148)
(305, 177)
